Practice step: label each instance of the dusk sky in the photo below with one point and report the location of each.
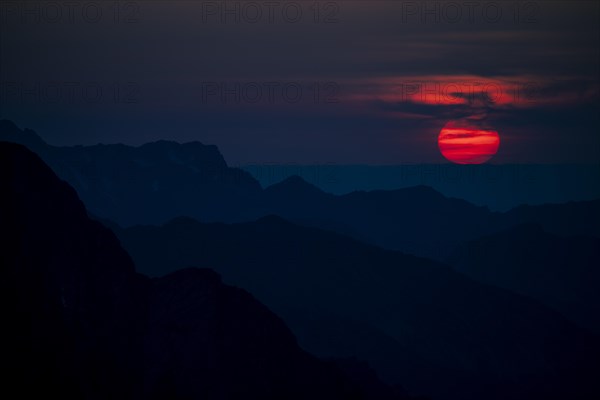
(346, 82)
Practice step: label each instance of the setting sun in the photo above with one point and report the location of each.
(464, 144)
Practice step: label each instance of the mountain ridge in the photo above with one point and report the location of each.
(152, 185)
(82, 323)
(457, 327)
(557, 270)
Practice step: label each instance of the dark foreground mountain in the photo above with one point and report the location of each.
(417, 322)
(80, 323)
(561, 272)
(157, 182)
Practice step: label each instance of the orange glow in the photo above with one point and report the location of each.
(446, 90)
(467, 144)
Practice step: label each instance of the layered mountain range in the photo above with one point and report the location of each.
(159, 181)
(401, 291)
(80, 323)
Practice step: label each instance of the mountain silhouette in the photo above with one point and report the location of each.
(420, 324)
(209, 340)
(79, 322)
(415, 220)
(160, 181)
(561, 272)
(572, 218)
(419, 220)
(447, 336)
(151, 183)
(71, 300)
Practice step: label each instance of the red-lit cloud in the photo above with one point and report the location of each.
(449, 90)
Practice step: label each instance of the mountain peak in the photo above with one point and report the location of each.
(8, 125)
(184, 153)
(10, 132)
(294, 184)
(420, 190)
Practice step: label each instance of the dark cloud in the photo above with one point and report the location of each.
(151, 71)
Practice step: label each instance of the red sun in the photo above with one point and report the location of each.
(462, 143)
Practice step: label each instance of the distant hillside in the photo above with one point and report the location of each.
(417, 322)
(499, 187)
(561, 272)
